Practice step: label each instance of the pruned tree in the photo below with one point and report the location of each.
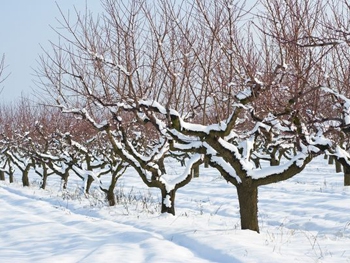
(216, 80)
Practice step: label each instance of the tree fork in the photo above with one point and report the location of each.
(168, 201)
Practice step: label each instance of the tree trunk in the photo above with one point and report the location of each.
(44, 177)
(11, 177)
(248, 204)
(256, 162)
(337, 167)
(161, 165)
(330, 159)
(110, 196)
(25, 177)
(2, 176)
(195, 171)
(168, 201)
(346, 176)
(274, 162)
(65, 179)
(88, 184)
(44, 180)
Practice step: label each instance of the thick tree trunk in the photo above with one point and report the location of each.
(2, 176)
(274, 162)
(330, 159)
(168, 201)
(110, 196)
(248, 204)
(11, 177)
(337, 167)
(65, 179)
(25, 177)
(346, 176)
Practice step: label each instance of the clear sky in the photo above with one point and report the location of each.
(24, 26)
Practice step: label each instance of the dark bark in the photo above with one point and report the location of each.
(2, 176)
(346, 176)
(25, 177)
(331, 159)
(161, 165)
(110, 196)
(166, 207)
(65, 179)
(44, 176)
(346, 168)
(274, 162)
(248, 204)
(11, 176)
(195, 171)
(337, 167)
(256, 162)
(88, 184)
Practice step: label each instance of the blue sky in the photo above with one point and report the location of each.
(24, 26)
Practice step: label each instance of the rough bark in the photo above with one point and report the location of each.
(88, 184)
(110, 196)
(195, 171)
(274, 162)
(11, 176)
(168, 207)
(338, 167)
(248, 204)
(331, 159)
(346, 176)
(2, 176)
(44, 177)
(161, 165)
(65, 179)
(25, 177)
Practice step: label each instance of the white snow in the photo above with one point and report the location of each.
(244, 94)
(304, 219)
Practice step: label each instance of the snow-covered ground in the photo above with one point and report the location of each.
(304, 219)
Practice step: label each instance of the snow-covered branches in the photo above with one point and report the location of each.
(253, 99)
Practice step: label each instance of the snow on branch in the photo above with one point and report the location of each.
(346, 104)
(171, 184)
(85, 115)
(100, 57)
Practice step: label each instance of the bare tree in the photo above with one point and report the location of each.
(216, 80)
(2, 68)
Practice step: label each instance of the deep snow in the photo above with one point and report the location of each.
(304, 219)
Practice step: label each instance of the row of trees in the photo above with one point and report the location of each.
(255, 91)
